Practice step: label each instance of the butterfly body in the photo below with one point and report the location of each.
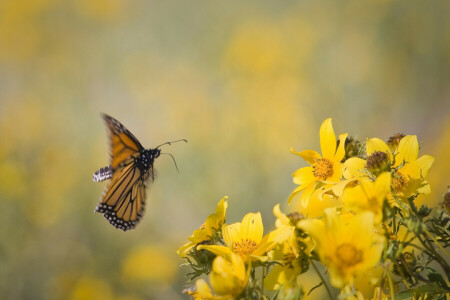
(131, 168)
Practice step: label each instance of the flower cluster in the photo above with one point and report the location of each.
(354, 212)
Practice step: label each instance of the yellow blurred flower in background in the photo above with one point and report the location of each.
(88, 288)
(347, 245)
(148, 263)
(325, 170)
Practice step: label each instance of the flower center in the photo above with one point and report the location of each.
(323, 168)
(244, 247)
(348, 254)
(399, 182)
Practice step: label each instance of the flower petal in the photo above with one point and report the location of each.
(304, 198)
(185, 249)
(231, 233)
(375, 144)
(280, 216)
(309, 155)
(354, 167)
(281, 234)
(316, 206)
(418, 168)
(382, 186)
(314, 228)
(340, 152)
(217, 250)
(327, 139)
(252, 227)
(295, 193)
(338, 188)
(203, 290)
(304, 176)
(408, 150)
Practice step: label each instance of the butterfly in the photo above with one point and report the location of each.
(130, 170)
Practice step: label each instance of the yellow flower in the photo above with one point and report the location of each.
(213, 223)
(246, 238)
(228, 278)
(368, 195)
(347, 245)
(201, 291)
(149, 263)
(287, 252)
(317, 205)
(325, 170)
(409, 171)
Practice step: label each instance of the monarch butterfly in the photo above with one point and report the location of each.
(131, 168)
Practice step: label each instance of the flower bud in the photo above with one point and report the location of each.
(378, 163)
(394, 140)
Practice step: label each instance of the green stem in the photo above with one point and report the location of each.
(262, 278)
(391, 284)
(436, 242)
(323, 280)
(427, 244)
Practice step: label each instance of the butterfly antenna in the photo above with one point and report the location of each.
(173, 158)
(170, 143)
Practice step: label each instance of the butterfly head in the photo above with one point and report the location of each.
(152, 153)
(155, 152)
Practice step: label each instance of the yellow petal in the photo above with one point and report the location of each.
(304, 198)
(184, 250)
(228, 275)
(382, 186)
(221, 208)
(338, 189)
(281, 234)
(309, 155)
(258, 258)
(277, 277)
(408, 150)
(203, 290)
(327, 139)
(354, 167)
(252, 227)
(340, 153)
(295, 193)
(231, 233)
(280, 216)
(216, 249)
(304, 176)
(316, 207)
(375, 144)
(418, 168)
(215, 221)
(314, 228)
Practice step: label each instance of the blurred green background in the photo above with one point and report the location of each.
(241, 80)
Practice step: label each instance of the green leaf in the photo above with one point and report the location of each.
(432, 290)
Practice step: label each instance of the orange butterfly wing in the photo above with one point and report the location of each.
(123, 143)
(123, 201)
